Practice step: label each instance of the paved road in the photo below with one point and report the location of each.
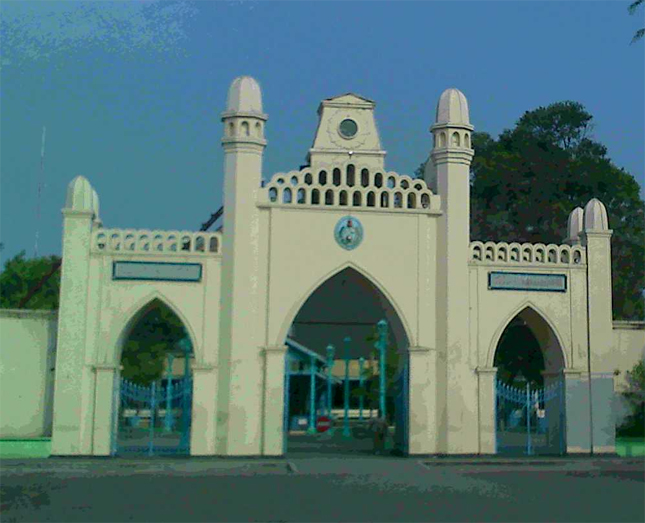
(321, 489)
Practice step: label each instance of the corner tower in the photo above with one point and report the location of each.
(451, 157)
(239, 404)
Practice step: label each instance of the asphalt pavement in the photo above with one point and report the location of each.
(334, 489)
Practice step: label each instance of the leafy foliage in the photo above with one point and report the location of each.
(155, 334)
(21, 274)
(632, 9)
(525, 184)
(634, 394)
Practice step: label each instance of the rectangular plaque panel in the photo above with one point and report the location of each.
(156, 271)
(521, 281)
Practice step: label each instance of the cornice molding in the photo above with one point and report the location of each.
(227, 115)
(452, 155)
(486, 370)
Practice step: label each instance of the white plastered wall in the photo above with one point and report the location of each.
(27, 349)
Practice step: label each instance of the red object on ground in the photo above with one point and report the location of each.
(324, 424)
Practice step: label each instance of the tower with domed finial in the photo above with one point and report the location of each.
(596, 237)
(70, 412)
(449, 173)
(240, 408)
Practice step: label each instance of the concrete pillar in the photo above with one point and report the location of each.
(578, 428)
(486, 377)
(273, 409)
(422, 401)
(74, 387)
(204, 412)
(240, 361)
(451, 158)
(105, 409)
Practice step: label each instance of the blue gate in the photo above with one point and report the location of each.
(154, 419)
(401, 412)
(530, 420)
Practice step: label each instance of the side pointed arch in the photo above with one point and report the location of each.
(526, 304)
(293, 312)
(135, 313)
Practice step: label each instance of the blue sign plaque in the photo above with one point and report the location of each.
(518, 281)
(156, 271)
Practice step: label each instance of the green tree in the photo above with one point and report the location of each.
(418, 173)
(525, 183)
(156, 333)
(632, 9)
(634, 394)
(20, 274)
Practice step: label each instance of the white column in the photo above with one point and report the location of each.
(104, 409)
(72, 413)
(273, 411)
(204, 420)
(422, 401)
(487, 429)
(578, 427)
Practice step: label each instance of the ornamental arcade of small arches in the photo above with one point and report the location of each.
(342, 219)
(347, 188)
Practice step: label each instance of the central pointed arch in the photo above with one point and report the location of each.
(287, 322)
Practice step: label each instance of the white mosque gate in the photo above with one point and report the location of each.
(239, 292)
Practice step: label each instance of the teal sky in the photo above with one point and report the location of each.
(131, 93)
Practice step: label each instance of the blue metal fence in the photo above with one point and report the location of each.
(154, 419)
(530, 420)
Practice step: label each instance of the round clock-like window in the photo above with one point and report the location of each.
(348, 128)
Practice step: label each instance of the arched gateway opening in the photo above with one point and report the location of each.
(153, 396)
(530, 407)
(335, 398)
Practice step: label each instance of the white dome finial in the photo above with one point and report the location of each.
(95, 203)
(574, 225)
(595, 216)
(244, 96)
(452, 108)
(80, 195)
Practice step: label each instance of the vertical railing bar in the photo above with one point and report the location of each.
(528, 416)
(152, 403)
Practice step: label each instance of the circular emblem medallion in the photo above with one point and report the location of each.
(348, 232)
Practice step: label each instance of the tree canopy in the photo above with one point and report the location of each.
(525, 183)
(155, 334)
(21, 274)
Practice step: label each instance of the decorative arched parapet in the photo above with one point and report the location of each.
(526, 304)
(489, 251)
(515, 252)
(122, 325)
(527, 254)
(476, 251)
(360, 187)
(156, 242)
(501, 252)
(295, 308)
